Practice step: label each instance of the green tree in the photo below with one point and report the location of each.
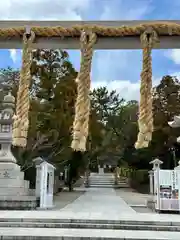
(116, 122)
(55, 88)
(9, 79)
(52, 93)
(103, 130)
(166, 104)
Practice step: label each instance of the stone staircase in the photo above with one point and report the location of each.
(50, 228)
(105, 180)
(99, 213)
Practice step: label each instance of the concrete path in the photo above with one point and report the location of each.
(131, 197)
(65, 197)
(99, 201)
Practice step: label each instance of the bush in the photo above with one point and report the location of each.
(139, 180)
(125, 172)
(141, 176)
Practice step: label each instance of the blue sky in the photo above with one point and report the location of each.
(118, 70)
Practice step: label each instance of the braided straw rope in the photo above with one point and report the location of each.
(20, 126)
(82, 107)
(148, 39)
(89, 54)
(162, 28)
(21, 122)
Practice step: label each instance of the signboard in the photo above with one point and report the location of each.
(167, 186)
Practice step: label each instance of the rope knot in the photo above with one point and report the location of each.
(29, 38)
(149, 38)
(88, 37)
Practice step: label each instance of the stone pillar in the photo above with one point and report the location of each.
(100, 169)
(46, 185)
(156, 168)
(151, 182)
(37, 162)
(38, 176)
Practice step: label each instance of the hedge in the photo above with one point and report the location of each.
(138, 178)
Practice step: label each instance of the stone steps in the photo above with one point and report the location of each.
(94, 183)
(101, 180)
(116, 226)
(59, 225)
(90, 224)
(76, 234)
(101, 185)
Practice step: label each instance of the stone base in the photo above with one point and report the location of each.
(12, 181)
(18, 203)
(151, 204)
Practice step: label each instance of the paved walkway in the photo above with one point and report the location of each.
(131, 197)
(102, 202)
(65, 197)
(95, 203)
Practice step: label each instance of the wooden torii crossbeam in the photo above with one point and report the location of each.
(87, 36)
(72, 42)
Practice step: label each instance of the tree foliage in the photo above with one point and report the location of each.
(113, 121)
(52, 93)
(166, 104)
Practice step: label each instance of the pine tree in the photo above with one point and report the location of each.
(54, 86)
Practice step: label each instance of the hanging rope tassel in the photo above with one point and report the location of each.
(21, 121)
(148, 39)
(87, 65)
(82, 107)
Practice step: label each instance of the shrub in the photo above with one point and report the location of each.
(139, 180)
(141, 176)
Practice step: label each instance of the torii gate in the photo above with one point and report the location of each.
(87, 36)
(103, 43)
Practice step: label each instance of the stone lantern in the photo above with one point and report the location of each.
(6, 120)
(14, 190)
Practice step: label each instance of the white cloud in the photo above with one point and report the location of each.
(175, 74)
(134, 10)
(126, 89)
(174, 55)
(13, 55)
(110, 64)
(41, 10)
(105, 62)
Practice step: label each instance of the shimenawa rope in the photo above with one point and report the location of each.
(81, 121)
(82, 107)
(148, 39)
(21, 122)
